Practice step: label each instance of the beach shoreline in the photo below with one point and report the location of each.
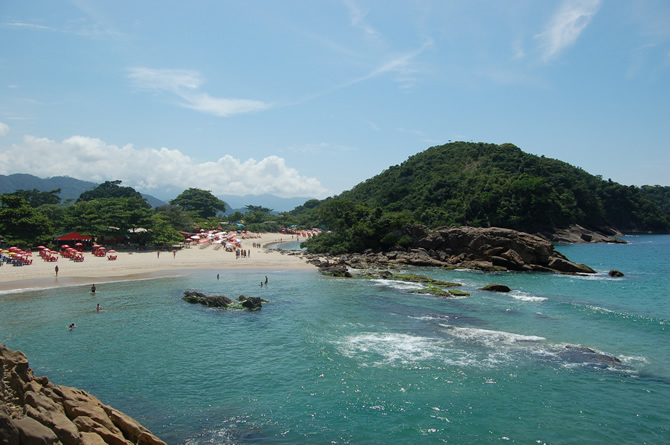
(148, 264)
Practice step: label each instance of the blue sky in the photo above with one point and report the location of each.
(309, 98)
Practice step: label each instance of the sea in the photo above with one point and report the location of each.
(561, 359)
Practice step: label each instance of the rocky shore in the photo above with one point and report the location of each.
(488, 249)
(35, 411)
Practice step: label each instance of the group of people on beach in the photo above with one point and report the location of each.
(243, 253)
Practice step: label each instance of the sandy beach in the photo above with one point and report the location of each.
(140, 264)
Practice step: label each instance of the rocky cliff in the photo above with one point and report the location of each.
(35, 411)
(487, 249)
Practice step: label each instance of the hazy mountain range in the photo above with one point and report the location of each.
(71, 188)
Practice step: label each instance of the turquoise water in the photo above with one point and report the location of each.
(354, 361)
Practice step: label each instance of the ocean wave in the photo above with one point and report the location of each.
(399, 285)
(490, 337)
(524, 296)
(386, 348)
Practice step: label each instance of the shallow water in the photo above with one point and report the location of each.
(365, 361)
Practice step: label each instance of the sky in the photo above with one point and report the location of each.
(304, 98)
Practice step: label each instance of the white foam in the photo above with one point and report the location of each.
(491, 338)
(400, 285)
(524, 296)
(390, 347)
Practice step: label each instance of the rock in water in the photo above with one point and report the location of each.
(207, 300)
(495, 288)
(615, 273)
(251, 303)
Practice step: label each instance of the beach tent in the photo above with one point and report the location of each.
(73, 236)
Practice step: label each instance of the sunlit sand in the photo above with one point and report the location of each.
(138, 264)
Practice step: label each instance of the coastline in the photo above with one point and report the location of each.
(136, 265)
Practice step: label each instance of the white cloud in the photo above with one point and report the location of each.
(150, 170)
(565, 26)
(357, 18)
(185, 84)
(4, 129)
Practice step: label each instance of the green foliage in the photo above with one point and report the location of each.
(36, 198)
(109, 216)
(55, 214)
(354, 228)
(109, 189)
(162, 231)
(481, 184)
(255, 214)
(659, 195)
(201, 202)
(177, 217)
(21, 224)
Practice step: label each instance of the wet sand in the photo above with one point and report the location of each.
(147, 264)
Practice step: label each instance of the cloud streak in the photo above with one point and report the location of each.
(565, 26)
(155, 170)
(185, 84)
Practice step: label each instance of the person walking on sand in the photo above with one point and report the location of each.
(56, 269)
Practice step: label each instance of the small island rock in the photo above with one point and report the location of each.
(495, 288)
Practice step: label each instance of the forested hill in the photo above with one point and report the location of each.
(482, 184)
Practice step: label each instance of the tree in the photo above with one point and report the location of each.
(163, 232)
(255, 214)
(176, 216)
(201, 202)
(20, 223)
(109, 189)
(36, 198)
(109, 216)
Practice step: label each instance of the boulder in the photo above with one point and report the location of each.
(251, 303)
(482, 248)
(207, 300)
(615, 273)
(43, 413)
(495, 288)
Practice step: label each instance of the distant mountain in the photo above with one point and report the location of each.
(71, 188)
(273, 202)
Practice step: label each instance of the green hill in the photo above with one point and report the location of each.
(479, 184)
(71, 188)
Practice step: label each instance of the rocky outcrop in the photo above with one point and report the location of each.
(615, 273)
(489, 249)
(35, 411)
(577, 234)
(207, 300)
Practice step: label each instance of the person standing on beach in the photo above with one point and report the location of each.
(56, 269)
